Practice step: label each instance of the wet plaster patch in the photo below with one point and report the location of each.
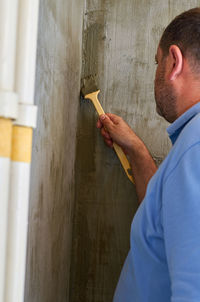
(99, 197)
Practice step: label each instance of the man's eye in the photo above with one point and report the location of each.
(156, 62)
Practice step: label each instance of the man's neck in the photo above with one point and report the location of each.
(189, 97)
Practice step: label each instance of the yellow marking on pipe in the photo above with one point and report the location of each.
(22, 144)
(5, 137)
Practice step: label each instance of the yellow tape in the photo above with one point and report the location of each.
(5, 137)
(21, 144)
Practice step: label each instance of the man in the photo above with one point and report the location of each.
(163, 263)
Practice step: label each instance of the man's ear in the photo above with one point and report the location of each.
(176, 62)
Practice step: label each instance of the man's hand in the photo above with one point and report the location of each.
(115, 129)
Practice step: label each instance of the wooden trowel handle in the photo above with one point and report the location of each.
(120, 153)
(124, 161)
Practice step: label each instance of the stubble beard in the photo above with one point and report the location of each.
(165, 98)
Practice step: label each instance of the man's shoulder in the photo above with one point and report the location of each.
(183, 148)
(186, 146)
(189, 136)
(192, 127)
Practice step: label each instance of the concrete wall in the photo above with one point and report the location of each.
(119, 44)
(52, 185)
(81, 202)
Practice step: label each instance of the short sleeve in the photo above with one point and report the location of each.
(181, 226)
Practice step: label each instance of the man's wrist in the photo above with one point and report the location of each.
(137, 149)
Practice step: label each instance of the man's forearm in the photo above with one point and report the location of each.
(115, 129)
(143, 167)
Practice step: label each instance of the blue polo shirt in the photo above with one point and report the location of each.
(163, 264)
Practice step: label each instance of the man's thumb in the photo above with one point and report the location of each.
(106, 121)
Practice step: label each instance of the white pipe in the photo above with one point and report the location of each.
(4, 189)
(20, 169)
(18, 213)
(8, 110)
(26, 50)
(8, 24)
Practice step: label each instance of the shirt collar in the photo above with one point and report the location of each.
(177, 126)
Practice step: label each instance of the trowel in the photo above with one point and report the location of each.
(92, 94)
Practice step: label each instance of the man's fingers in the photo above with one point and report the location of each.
(114, 118)
(108, 142)
(99, 124)
(105, 134)
(106, 121)
(114, 129)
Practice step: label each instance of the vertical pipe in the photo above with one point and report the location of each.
(5, 149)
(26, 50)
(8, 24)
(8, 110)
(21, 151)
(18, 213)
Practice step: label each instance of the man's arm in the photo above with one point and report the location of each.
(115, 129)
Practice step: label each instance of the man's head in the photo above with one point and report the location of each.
(178, 59)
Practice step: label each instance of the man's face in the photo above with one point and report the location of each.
(164, 93)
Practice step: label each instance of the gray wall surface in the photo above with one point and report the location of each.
(81, 202)
(119, 45)
(52, 177)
